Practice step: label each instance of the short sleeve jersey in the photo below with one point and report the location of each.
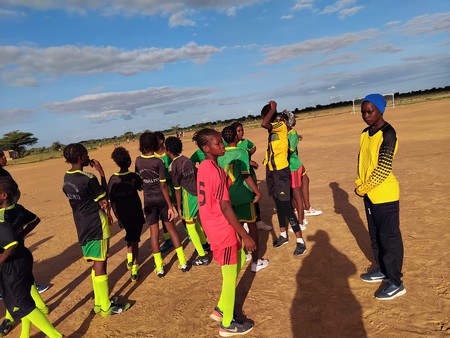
(198, 156)
(246, 145)
(152, 171)
(235, 162)
(13, 220)
(376, 154)
(294, 160)
(278, 147)
(184, 174)
(84, 192)
(124, 197)
(212, 187)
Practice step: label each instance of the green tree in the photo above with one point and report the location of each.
(56, 146)
(17, 140)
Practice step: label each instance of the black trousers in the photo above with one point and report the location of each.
(386, 239)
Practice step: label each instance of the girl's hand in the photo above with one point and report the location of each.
(300, 137)
(170, 214)
(249, 243)
(97, 166)
(257, 197)
(254, 164)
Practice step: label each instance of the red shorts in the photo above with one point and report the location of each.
(296, 177)
(228, 255)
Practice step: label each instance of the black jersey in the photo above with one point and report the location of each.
(152, 171)
(184, 174)
(125, 201)
(13, 220)
(84, 191)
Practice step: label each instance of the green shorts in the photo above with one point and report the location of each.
(96, 250)
(245, 212)
(189, 206)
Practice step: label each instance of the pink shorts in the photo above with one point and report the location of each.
(228, 255)
(296, 177)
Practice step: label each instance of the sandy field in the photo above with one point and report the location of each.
(316, 295)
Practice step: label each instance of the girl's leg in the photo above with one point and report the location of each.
(298, 203)
(41, 322)
(134, 248)
(154, 240)
(40, 304)
(195, 238)
(177, 243)
(130, 257)
(305, 192)
(228, 294)
(101, 287)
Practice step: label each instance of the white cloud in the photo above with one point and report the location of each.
(15, 116)
(337, 6)
(20, 62)
(349, 11)
(303, 4)
(165, 8)
(287, 17)
(326, 44)
(124, 105)
(428, 23)
(385, 49)
(331, 88)
(11, 14)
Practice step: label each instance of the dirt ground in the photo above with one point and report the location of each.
(316, 295)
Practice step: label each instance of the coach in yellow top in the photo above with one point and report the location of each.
(378, 186)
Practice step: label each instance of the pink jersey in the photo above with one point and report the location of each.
(212, 187)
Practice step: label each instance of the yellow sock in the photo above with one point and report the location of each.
(9, 317)
(94, 288)
(129, 257)
(38, 319)
(200, 232)
(40, 304)
(195, 238)
(228, 294)
(102, 288)
(158, 261)
(180, 255)
(134, 269)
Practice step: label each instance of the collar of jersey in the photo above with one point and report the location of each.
(75, 171)
(176, 157)
(230, 148)
(148, 156)
(7, 208)
(120, 174)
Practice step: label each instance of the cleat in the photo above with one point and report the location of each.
(280, 241)
(235, 328)
(206, 247)
(248, 257)
(6, 326)
(374, 276)
(42, 287)
(115, 309)
(114, 300)
(300, 249)
(160, 273)
(391, 291)
(135, 273)
(259, 265)
(201, 261)
(313, 212)
(183, 267)
(129, 265)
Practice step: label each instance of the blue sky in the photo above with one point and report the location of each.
(72, 70)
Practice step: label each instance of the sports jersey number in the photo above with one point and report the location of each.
(202, 193)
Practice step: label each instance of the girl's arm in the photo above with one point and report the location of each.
(165, 192)
(249, 180)
(5, 254)
(27, 228)
(229, 214)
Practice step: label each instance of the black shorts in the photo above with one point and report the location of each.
(279, 184)
(16, 279)
(133, 232)
(155, 210)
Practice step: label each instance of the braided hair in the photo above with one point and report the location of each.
(204, 136)
(229, 134)
(73, 152)
(174, 145)
(148, 142)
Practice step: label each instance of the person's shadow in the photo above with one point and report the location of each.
(349, 213)
(324, 305)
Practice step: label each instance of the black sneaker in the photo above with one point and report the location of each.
(206, 247)
(235, 328)
(217, 315)
(391, 291)
(280, 241)
(374, 276)
(300, 249)
(6, 326)
(201, 261)
(115, 309)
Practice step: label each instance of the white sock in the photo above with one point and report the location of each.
(284, 234)
(300, 240)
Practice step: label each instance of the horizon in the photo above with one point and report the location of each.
(77, 70)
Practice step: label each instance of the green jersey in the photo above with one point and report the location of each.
(246, 145)
(198, 156)
(236, 164)
(294, 160)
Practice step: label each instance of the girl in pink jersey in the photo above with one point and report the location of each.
(222, 228)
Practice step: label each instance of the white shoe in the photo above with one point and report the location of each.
(263, 226)
(259, 265)
(305, 222)
(246, 227)
(312, 212)
(248, 257)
